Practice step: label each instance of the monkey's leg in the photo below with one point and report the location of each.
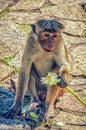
(33, 88)
(16, 108)
(33, 93)
(53, 93)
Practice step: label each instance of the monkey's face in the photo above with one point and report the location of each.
(48, 40)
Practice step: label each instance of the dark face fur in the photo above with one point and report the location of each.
(48, 32)
(48, 40)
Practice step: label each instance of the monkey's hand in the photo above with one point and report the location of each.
(62, 83)
(13, 111)
(33, 105)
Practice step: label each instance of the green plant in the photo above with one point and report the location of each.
(52, 78)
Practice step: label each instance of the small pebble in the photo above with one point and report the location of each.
(59, 123)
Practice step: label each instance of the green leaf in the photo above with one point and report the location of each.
(32, 123)
(6, 59)
(25, 28)
(32, 114)
(4, 12)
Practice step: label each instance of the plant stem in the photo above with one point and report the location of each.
(77, 96)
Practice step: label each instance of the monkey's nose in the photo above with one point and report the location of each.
(51, 40)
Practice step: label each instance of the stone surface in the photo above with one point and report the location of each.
(78, 59)
(28, 5)
(4, 4)
(12, 41)
(4, 71)
(13, 38)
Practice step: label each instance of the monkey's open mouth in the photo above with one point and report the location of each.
(49, 48)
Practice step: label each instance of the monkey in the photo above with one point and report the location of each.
(44, 52)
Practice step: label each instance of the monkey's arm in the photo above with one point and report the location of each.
(63, 63)
(16, 108)
(64, 71)
(23, 81)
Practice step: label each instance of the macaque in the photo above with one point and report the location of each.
(44, 52)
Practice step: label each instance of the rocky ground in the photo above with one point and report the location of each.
(15, 17)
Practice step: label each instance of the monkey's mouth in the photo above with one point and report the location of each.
(49, 48)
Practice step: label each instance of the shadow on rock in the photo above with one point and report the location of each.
(33, 117)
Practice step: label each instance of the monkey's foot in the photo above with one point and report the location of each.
(13, 112)
(49, 113)
(33, 105)
(35, 116)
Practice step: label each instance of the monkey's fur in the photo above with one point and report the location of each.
(44, 52)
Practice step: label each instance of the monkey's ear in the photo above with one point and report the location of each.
(33, 28)
(36, 28)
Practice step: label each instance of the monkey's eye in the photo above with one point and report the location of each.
(47, 35)
(54, 36)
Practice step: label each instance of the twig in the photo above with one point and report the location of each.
(77, 96)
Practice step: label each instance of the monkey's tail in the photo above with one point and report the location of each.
(13, 85)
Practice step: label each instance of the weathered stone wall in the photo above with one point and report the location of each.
(15, 17)
(17, 14)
